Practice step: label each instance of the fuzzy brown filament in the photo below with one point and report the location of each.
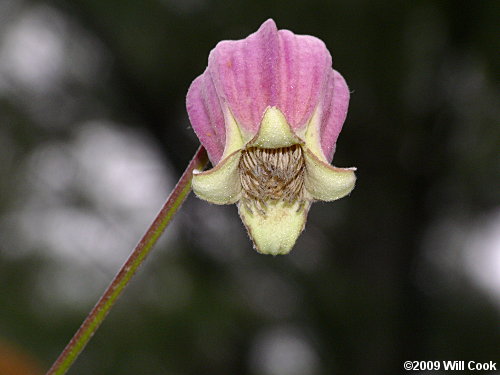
(275, 174)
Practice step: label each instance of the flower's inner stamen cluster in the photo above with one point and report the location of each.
(271, 175)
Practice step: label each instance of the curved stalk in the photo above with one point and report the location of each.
(129, 268)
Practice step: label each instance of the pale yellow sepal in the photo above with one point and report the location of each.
(327, 183)
(234, 140)
(313, 136)
(221, 184)
(276, 232)
(274, 131)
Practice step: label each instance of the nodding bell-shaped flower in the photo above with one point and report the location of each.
(268, 109)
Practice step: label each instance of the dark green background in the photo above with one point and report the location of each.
(376, 279)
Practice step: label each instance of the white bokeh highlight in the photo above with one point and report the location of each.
(283, 351)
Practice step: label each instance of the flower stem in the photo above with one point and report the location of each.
(122, 278)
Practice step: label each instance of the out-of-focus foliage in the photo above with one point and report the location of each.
(93, 134)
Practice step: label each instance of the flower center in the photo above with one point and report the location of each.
(275, 174)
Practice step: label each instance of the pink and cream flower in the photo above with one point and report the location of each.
(269, 109)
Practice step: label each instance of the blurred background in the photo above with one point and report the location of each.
(94, 134)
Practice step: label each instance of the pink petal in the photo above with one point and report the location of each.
(334, 106)
(206, 116)
(270, 68)
(304, 65)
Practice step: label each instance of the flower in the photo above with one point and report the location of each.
(268, 109)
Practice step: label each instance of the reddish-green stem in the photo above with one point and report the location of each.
(120, 281)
